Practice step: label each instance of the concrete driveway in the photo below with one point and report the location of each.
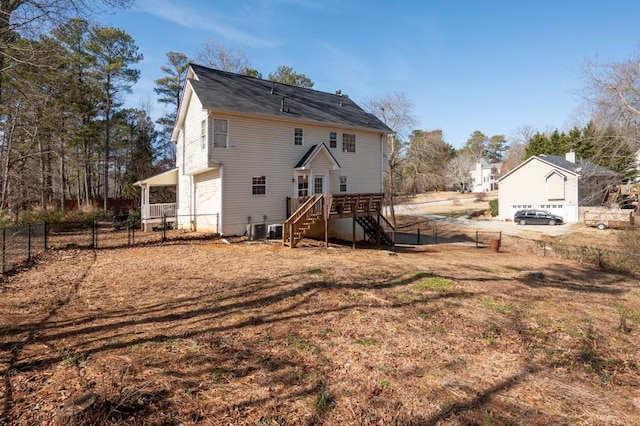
(508, 228)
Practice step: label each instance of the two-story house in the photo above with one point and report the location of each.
(559, 184)
(484, 176)
(249, 151)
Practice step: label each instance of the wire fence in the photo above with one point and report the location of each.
(20, 244)
(606, 259)
(602, 258)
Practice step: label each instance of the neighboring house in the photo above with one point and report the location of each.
(554, 183)
(484, 176)
(250, 151)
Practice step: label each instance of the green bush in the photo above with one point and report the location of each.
(493, 205)
(135, 217)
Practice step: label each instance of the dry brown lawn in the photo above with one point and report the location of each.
(217, 334)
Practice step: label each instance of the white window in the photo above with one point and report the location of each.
(343, 184)
(348, 142)
(259, 185)
(333, 140)
(297, 136)
(303, 185)
(220, 133)
(203, 134)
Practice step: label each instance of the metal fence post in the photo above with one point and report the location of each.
(476, 239)
(418, 235)
(94, 234)
(164, 227)
(435, 234)
(46, 235)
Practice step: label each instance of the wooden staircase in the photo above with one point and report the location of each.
(364, 209)
(372, 230)
(297, 225)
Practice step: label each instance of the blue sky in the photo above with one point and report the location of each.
(486, 65)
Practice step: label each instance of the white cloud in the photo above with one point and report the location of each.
(205, 20)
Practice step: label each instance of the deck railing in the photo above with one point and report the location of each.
(295, 226)
(155, 211)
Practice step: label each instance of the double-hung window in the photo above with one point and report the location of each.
(259, 185)
(348, 142)
(343, 184)
(297, 136)
(220, 133)
(333, 140)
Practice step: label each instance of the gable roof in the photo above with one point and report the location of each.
(582, 167)
(225, 91)
(579, 168)
(312, 153)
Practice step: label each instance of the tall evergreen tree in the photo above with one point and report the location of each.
(286, 75)
(113, 51)
(169, 89)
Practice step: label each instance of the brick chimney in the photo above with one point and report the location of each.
(570, 157)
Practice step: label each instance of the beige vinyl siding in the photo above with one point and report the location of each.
(207, 197)
(265, 148)
(195, 157)
(363, 168)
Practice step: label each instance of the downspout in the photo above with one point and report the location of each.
(382, 163)
(221, 198)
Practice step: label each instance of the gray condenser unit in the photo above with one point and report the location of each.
(256, 231)
(275, 231)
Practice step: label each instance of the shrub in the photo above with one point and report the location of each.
(493, 205)
(135, 217)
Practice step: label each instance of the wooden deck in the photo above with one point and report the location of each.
(365, 209)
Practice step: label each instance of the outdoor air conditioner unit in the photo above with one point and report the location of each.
(256, 231)
(275, 231)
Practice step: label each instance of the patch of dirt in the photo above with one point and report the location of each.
(243, 333)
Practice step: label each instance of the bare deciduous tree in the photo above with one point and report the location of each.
(396, 111)
(612, 93)
(216, 55)
(426, 159)
(459, 170)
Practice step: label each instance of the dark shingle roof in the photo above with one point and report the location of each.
(312, 151)
(582, 167)
(233, 92)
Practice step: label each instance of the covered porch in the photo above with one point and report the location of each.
(158, 200)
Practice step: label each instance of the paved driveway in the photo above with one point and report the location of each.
(508, 228)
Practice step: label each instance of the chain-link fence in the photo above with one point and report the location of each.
(20, 244)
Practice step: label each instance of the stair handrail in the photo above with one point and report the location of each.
(292, 224)
(393, 229)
